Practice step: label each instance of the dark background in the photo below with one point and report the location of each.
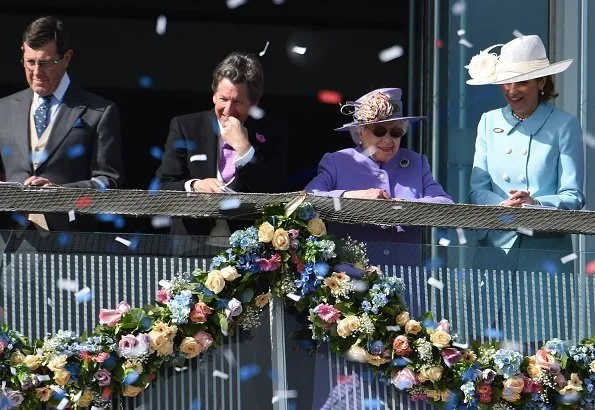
(152, 78)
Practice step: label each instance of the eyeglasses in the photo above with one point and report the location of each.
(42, 64)
(380, 132)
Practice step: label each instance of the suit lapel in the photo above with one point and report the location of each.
(71, 108)
(207, 143)
(21, 107)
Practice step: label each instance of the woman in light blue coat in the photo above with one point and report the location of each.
(526, 154)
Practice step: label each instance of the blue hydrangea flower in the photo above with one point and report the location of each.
(508, 362)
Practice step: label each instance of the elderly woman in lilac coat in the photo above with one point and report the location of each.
(377, 168)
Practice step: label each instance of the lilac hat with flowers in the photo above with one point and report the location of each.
(381, 105)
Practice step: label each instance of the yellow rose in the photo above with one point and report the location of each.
(347, 326)
(433, 373)
(533, 369)
(131, 391)
(32, 361)
(316, 227)
(433, 394)
(592, 366)
(510, 395)
(402, 318)
(376, 360)
(262, 300)
(357, 354)
(190, 347)
(44, 393)
(57, 363)
(281, 239)
(440, 339)
(215, 282)
(165, 330)
(413, 327)
(229, 273)
(61, 377)
(17, 358)
(160, 344)
(265, 232)
(513, 388)
(86, 398)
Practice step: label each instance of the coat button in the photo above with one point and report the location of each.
(506, 177)
(522, 178)
(386, 252)
(508, 150)
(382, 176)
(524, 151)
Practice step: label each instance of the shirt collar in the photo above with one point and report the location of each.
(533, 123)
(60, 91)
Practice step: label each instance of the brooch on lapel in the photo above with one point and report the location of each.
(498, 130)
(404, 162)
(78, 123)
(260, 138)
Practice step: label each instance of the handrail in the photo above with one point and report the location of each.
(140, 203)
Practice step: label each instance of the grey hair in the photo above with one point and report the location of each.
(356, 131)
(241, 68)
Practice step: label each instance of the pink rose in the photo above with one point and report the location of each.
(3, 344)
(299, 265)
(111, 317)
(103, 377)
(531, 386)
(269, 265)
(404, 379)
(485, 393)
(293, 233)
(328, 313)
(162, 295)
(401, 346)
(200, 312)
(132, 347)
(560, 380)
(450, 355)
(123, 307)
(544, 359)
(204, 339)
(443, 325)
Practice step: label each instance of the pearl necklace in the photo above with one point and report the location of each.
(516, 116)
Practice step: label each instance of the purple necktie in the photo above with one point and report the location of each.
(226, 163)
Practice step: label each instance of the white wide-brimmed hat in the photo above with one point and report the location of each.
(521, 59)
(381, 105)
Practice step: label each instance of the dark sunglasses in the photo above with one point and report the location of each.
(379, 132)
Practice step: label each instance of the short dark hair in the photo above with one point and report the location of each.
(549, 92)
(241, 68)
(44, 30)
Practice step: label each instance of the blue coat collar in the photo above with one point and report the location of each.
(530, 125)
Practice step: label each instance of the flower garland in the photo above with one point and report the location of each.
(356, 309)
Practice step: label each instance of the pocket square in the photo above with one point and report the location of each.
(78, 123)
(260, 137)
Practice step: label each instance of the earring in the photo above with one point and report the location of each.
(542, 92)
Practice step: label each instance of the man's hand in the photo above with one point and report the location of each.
(211, 185)
(235, 134)
(518, 198)
(39, 181)
(372, 193)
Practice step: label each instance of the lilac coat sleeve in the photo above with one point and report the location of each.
(432, 190)
(325, 182)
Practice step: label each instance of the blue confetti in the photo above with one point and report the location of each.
(183, 144)
(119, 222)
(39, 157)
(230, 203)
(429, 324)
(506, 218)
(64, 239)
(273, 374)
(154, 186)
(249, 371)
(20, 219)
(145, 81)
(494, 334)
(156, 152)
(6, 151)
(292, 405)
(130, 377)
(402, 362)
(373, 404)
(75, 151)
(83, 296)
(195, 405)
(550, 266)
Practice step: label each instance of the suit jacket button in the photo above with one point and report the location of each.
(522, 178)
(524, 151)
(506, 177)
(508, 150)
(382, 176)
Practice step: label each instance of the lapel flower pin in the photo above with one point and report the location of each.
(260, 138)
(404, 162)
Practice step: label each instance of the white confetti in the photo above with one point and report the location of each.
(49, 302)
(512, 345)
(71, 215)
(43, 378)
(393, 328)
(458, 8)
(438, 284)
(62, 405)
(284, 394)
(390, 53)
(359, 286)
(299, 50)
(589, 139)
(13, 371)
(77, 396)
(481, 284)
(198, 157)
(68, 285)
(278, 2)
(84, 295)
(57, 389)
(123, 241)
(293, 296)
(165, 284)
(525, 231)
(180, 369)
(461, 236)
(256, 112)
(264, 50)
(397, 207)
(460, 32)
(228, 354)
(400, 229)
(568, 258)
(460, 345)
(232, 4)
(444, 242)
(220, 374)
(230, 203)
(337, 203)
(160, 221)
(369, 151)
(161, 26)
(465, 43)
(517, 34)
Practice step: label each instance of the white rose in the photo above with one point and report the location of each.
(482, 66)
(229, 273)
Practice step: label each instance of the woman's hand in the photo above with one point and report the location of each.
(518, 198)
(372, 193)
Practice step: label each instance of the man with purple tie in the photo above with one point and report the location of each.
(225, 148)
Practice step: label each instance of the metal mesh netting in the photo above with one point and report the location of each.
(249, 206)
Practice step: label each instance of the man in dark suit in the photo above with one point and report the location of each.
(225, 147)
(55, 133)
